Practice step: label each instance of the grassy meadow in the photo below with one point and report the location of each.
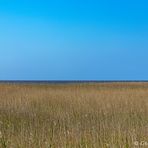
(82, 115)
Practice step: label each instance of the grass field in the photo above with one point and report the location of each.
(91, 115)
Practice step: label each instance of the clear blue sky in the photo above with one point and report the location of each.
(73, 40)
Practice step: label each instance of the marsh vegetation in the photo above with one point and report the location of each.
(91, 115)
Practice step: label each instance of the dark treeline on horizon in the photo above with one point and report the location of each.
(68, 81)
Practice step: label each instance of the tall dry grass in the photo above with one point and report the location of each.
(91, 115)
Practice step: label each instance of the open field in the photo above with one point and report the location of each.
(91, 115)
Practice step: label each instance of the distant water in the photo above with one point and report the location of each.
(67, 81)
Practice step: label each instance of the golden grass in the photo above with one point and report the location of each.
(91, 115)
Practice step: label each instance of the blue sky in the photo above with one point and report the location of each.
(73, 40)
